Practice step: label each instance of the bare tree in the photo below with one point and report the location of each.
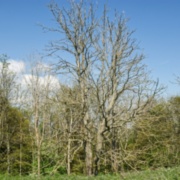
(77, 26)
(39, 89)
(69, 103)
(122, 86)
(104, 61)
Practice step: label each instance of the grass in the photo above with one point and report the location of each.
(160, 174)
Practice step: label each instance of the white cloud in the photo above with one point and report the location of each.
(45, 81)
(16, 66)
(42, 78)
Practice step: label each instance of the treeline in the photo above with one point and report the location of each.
(94, 111)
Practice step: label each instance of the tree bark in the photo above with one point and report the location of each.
(69, 157)
(8, 155)
(88, 151)
(99, 144)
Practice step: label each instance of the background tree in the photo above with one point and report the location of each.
(12, 124)
(19, 152)
(40, 86)
(69, 103)
(174, 105)
(154, 141)
(7, 85)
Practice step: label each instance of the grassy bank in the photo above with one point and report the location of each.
(160, 174)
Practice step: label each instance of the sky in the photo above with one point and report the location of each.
(156, 24)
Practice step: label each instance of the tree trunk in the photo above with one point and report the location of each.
(88, 151)
(39, 160)
(38, 145)
(8, 155)
(20, 150)
(114, 163)
(69, 157)
(88, 147)
(99, 145)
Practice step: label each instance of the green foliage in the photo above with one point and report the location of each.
(78, 164)
(16, 133)
(152, 143)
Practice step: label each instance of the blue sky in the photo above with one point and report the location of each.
(157, 25)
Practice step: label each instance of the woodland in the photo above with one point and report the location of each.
(105, 115)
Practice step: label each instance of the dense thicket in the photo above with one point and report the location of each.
(103, 116)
